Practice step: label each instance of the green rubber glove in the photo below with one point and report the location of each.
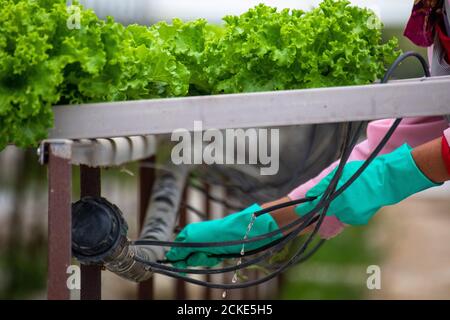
(389, 179)
(233, 227)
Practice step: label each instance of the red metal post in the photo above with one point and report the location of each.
(181, 292)
(207, 209)
(91, 278)
(227, 277)
(146, 179)
(59, 220)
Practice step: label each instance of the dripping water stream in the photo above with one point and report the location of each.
(239, 260)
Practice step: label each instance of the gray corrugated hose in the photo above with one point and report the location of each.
(159, 224)
(109, 245)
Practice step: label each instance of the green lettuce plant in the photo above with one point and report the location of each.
(44, 63)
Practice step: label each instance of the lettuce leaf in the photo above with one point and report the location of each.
(43, 63)
(335, 44)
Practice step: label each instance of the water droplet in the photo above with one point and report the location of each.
(239, 261)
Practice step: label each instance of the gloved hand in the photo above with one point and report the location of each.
(389, 179)
(233, 227)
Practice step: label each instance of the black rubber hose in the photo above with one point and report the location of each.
(297, 257)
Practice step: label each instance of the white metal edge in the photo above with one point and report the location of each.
(420, 97)
(112, 152)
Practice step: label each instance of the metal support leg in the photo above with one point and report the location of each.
(91, 279)
(181, 292)
(146, 179)
(59, 220)
(207, 209)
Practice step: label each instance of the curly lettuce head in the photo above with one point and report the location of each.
(265, 49)
(47, 60)
(29, 76)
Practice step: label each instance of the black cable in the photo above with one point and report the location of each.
(289, 203)
(403, 57)
(239, 255)
(380, 146)
(332, 185)
(321, 205)
(346, 150)
(231, 268)
(223, 243)
(246, 190)
(346, 153)
(383, 141)
(310, 216)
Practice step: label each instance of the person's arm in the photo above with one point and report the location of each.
(387, 180)
(413, 131)
(428, 158)
(284, 216)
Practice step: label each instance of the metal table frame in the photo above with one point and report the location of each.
(406, 98)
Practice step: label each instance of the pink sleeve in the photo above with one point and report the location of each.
(414, 131)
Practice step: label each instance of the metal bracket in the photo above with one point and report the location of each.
(59, 148)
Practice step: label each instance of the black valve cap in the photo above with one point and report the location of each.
(96, 226)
